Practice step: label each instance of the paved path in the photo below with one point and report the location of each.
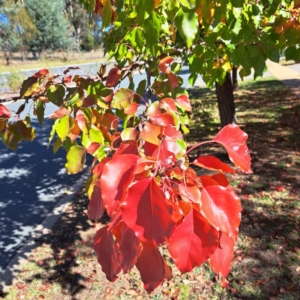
(290, 77)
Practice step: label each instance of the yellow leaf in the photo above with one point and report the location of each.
(226, 66)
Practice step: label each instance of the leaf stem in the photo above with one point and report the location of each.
(197, 145)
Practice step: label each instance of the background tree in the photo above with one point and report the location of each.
(79, 19)
(9, 41)
(16, 28)
(53, 28)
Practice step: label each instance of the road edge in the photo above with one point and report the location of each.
(14, 266)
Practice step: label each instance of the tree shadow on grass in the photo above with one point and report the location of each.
(267, 258)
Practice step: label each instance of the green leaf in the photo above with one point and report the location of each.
(237, 3)
(152, 29)
(136, 37)
(107, 14)
(76, 157)
(96, 136)
(143, 7)
(192, 78)
(259, 66)
(40, 109)
(52, 133)
(187, 24)
(57, 144)
(188, 3)
(182, 146)
(274, 55)
(141, 87)
(292, 53)
(56, 94)
(63, 128)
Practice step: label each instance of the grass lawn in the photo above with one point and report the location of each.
(267, 253)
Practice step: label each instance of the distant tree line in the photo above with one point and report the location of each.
(42, 25)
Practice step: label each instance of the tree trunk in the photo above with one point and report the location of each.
(225, 101)
(234, 78)
(7, 57)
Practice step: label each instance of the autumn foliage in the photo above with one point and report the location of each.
(141, 175)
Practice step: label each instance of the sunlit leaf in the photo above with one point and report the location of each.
(233, 139)
(193, 242)
(152, 133)
(212, 163)
(122, 98)
(76, 157)
(146, 211)
(222, 257)
(113, 77)
(4, 112)
(222, 208)
(116, 177)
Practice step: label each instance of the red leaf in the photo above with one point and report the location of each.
(173, 80)
(96, 205)
(233, 139)
(212, 163)
(151, 133)
(113, 77)
(221, 259)
(67, 79)
(193, 242)
(90, 100)
(163, 62)
(151, 266)
(208, 180)
(59, 113)
(146, 211)
(190, 192)
(110, 121)
(130, 248)
(108, 253)
(184, 102)
(280, 188)
(75, 131)
(81, 121)
(129, 147)
(41, 73)
(117, 175)
(93, 147)
(4, 112)
(221, 179)
(98, 169)
(168, 104)
(165, 119)
(131, 109)
(222, 208)
(172, 132)
(153, 111)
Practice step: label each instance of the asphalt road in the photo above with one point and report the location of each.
(33, 179)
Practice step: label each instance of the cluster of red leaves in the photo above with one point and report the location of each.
(154, 197)
(143, 179)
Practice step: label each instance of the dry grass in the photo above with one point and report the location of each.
(47, 60)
